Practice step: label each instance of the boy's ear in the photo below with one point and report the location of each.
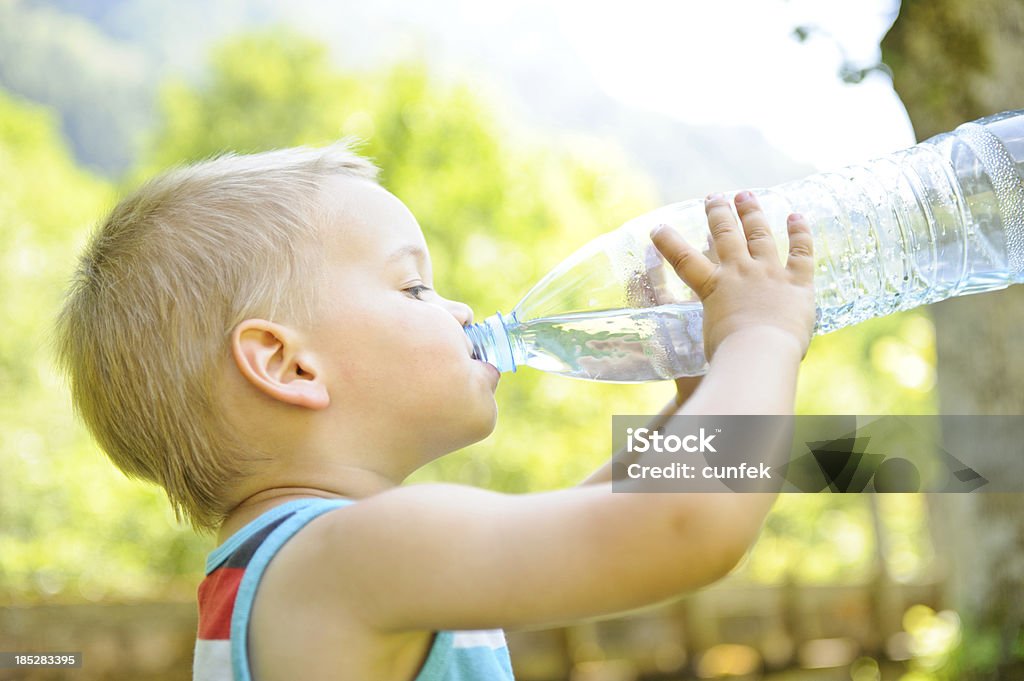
(272, 358)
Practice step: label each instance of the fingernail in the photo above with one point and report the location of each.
(795, 217)
(714, 197)
(743, 196)
(657, 228)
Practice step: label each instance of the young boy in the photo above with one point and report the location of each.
(259, 335)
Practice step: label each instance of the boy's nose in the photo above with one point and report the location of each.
(463, 313)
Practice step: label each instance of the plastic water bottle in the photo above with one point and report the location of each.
(943, 218)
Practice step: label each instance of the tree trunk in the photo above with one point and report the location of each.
(954, 61)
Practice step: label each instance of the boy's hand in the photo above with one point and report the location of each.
(748, 288)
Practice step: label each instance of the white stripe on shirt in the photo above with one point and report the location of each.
(484, 638)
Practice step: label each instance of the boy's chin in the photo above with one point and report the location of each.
(480, 426)
(469, 434)
(487, 422)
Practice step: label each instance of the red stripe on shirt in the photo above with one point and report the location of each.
(217, 601)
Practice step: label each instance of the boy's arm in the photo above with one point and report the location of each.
(451, 557)
(442, 556)
(439, 556)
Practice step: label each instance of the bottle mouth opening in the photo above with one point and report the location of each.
(491, 343)
(475, 334)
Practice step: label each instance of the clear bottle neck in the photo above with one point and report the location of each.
(493, 341)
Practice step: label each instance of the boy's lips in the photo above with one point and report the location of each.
(493, 369)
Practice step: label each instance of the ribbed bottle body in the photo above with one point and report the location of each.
(941, 219)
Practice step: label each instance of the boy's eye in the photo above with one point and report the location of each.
(417, 290)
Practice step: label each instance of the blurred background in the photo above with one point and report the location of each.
(516, 132)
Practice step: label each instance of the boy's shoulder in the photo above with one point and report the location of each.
(309, 586)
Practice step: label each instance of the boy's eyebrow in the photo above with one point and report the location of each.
(407, 250)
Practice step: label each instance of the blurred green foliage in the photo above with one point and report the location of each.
(70, 525)
(499, 206)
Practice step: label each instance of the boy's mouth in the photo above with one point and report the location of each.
(494, 370)
(472, 354)
(498, 374)
(469, 346)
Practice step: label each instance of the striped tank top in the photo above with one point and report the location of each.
(233, 572)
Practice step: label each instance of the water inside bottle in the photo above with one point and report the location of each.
(619, 346)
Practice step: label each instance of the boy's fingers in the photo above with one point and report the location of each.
(657, 273)
(691, 266)
(728, 239)
(801, 247)
(760, 241)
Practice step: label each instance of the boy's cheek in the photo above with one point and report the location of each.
(419, 348)
(437, 340)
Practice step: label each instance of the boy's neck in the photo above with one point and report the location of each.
(358, 484)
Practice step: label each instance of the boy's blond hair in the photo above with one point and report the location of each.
(146, 323)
